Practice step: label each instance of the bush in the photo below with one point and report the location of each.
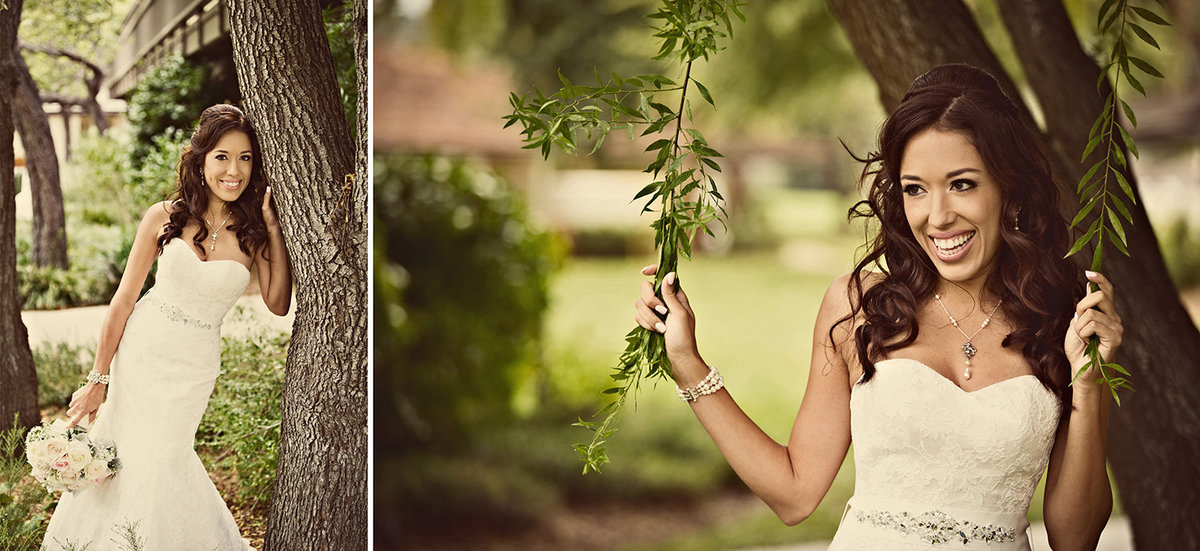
(461, 286)
(22, 499)
(172, 96)
(61, 368)
(240, 430)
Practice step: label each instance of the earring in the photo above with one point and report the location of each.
(1017, 221)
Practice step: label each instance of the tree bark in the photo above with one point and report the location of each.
(286, 75)
(1155, 434)
(49, 223)
(1156, 431)
(18, 376)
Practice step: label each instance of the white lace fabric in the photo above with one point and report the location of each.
(162, 376)
(938, 467)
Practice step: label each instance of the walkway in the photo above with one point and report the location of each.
(81, 326)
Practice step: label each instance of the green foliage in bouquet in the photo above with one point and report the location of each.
(683, 192)
(1116, 21)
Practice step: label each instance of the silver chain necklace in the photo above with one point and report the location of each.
(968, 349)
(217, 229)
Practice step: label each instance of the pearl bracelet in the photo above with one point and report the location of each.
(95, 377)
(712, 383)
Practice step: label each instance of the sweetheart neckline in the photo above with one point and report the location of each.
(202, 261)
(932, 371)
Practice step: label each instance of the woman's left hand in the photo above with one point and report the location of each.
(1104, 323)
(268, 212)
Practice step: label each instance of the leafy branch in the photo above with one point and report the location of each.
(683, 191)
(1116, 21)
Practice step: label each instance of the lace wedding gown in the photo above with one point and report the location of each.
(941, 468)
(162, 375)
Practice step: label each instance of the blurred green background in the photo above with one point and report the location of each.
(505, 284)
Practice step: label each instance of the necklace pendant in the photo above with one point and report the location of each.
(969, 350)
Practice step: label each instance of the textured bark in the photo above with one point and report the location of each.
(49, 223)
(1156, 431)
(1155, 435)
(18, 377)
(286, 75)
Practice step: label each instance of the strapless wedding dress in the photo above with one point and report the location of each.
(937, 467)
(162, 375)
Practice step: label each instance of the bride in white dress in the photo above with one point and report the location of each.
(163, 352)
(948, 365)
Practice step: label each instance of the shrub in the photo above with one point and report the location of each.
(241, 427)
(169, 97)
(22, 515)
(61, 368)
(461, 286)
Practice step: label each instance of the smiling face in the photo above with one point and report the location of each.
(952, 204)
(227, 168)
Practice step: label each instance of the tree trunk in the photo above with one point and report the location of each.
(18, 377)
(1155, 434)
(49, 224)
(1156, 431)
(286, 75)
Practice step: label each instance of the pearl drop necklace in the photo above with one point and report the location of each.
(968, 349)
(217, 228)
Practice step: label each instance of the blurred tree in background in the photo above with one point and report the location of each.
(461, 284)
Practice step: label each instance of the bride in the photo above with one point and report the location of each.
(159, 357)
(949, 366)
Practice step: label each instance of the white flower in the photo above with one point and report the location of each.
(96, 471)
(79, 453)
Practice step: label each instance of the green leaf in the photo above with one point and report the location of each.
(1088, 176)
(1135, 83)
(704, 92)
(1091, 146)
(1125, 185)
(1116, 224)
(1150, 16)
(1129, 113)
(1117, 243)
(1097, 254)
(1144, 35)
(711, 163)
(1128, 140)
(1145, 66)
(1091, 204)
(1117, 202)
(1103, 11)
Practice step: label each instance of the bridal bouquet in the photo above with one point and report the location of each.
(66, 459)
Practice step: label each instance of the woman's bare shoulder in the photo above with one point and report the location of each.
(843, 293)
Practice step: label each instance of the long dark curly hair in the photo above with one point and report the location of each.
(1037, 285)
(189, 201)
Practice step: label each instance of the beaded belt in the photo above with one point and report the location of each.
(937, 527)
(176, 314)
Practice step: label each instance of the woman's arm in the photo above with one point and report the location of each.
(86, 400)
(791, 479)
(274, 272)
(1078, 498)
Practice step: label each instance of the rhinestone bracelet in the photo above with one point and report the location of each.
(96, 377)
(712, 383)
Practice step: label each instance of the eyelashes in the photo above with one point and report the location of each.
(959, 185)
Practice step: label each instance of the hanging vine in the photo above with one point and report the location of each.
(1116, 21)
(683, 192)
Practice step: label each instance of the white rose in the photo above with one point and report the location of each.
(96, 471)
(54, 448)
(79, 453)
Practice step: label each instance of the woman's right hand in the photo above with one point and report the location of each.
(678, 329)
(85, 402)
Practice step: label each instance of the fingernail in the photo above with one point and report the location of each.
(1089, 273)
(670, 278)
(661, 328)
(661, 309)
